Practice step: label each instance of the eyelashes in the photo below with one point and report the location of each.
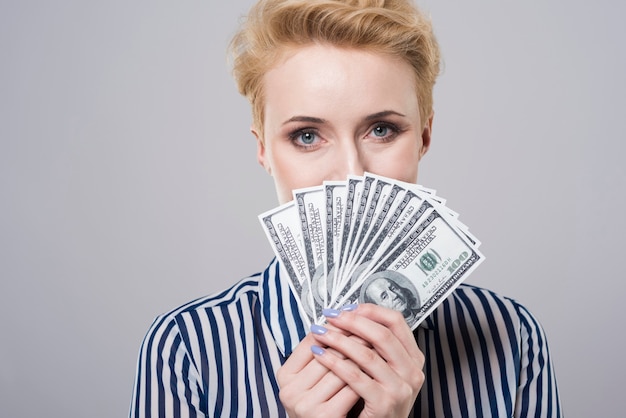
(384, 131)
(306, 139)
(309, 139)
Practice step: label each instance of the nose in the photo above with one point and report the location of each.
(348, 160)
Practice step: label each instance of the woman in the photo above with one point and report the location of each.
(338, 88)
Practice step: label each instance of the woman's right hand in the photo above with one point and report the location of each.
(309, 389)
(369, 354)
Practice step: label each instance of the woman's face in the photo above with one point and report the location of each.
(330, 112)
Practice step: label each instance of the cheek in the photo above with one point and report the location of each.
(300, 170)
(397, 162)
(290, 174)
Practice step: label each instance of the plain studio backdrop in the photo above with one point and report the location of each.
(129, 183)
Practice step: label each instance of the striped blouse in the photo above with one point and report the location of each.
(486, 356)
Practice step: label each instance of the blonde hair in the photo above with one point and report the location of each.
(394, 27)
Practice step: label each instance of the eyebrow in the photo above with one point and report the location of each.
(382, 114)
(309, 119)
(312, 119)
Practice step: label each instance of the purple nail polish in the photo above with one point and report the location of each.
(330, 313)
(317, 350)
(350, 307)
(318, 329)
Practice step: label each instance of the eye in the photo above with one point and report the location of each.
(380, 130)
(384, 296)
(306, 139)
(383, 132)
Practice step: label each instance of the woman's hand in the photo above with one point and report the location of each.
(309, 389)
(369, 353)
(388, 376)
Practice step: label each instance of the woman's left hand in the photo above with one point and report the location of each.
(386, 372)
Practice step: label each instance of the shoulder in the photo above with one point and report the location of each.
(517, 340)
(485, 302)
(501, 315)
(493, 343)
(496, 326)
(172, 323)
(484, 312)
(244, 289)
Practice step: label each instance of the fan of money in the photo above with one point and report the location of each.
(370, 239)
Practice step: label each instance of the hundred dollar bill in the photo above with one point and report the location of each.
(364, 187)
(444, 209)
(282, 228)
(417, 188)
(334, 192)
(386, 242)
(311, 205)
(386, 209)
(353, 193)
(361, 199)
(378, 188)
(420, 273)
(406, 214)
(370, 239)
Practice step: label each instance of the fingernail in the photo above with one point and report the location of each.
(330, 313)
(317, 350)
(349, 307)
(318, 329)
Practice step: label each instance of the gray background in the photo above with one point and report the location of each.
(129, 184)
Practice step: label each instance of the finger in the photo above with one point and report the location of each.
(300, 357)
(300, 371)
(325, 389)
(301, 395)
(405, 365)
(336, 406)
(317, 329)
(394, 395)
(366, 358)
(385, 330)
(342, 402)
(392, 320)
(348, 371)
(312, 385)
(343, 399)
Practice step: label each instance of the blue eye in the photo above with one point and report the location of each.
(380, 131)
(383, 132)
(307, 138)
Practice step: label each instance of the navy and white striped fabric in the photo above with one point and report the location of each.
(486, 356)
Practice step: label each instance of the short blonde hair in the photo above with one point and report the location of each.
(394, 27)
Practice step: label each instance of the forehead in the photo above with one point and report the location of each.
(314, 76)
